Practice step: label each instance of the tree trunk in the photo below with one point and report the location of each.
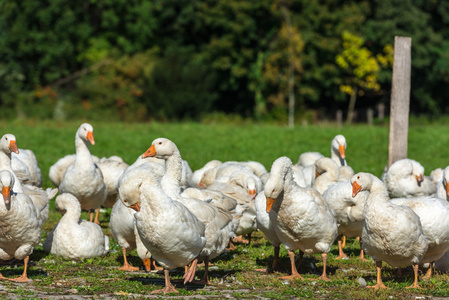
(351, 106)
(291, 74)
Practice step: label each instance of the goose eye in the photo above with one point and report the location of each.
(160, 143)
(6, 138)
(358, 177)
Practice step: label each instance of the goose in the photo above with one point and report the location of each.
(216, 220)
(124, 231)
(73, 238)
(338, 153)
(432, 212)
(349, 212)
(391, 232)
(198, 174)
(442, 187)
(167, 228)
(40, 197)
(112, 169)
(327, 174)
(26, 159)
(405, 178)
(265, 225)
(83, 178)
(20, 230)
(302, 218)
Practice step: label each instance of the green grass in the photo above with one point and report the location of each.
(234, 272)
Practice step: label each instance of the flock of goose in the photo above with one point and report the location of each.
(179, 218)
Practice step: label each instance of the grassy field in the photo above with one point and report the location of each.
(233, 273)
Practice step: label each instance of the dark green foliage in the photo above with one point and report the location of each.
(207, 56)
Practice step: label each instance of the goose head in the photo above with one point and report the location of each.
(361, 182)
(339, 146)
(161, 148)
(275, 182)
(86, 133)
(6, 184)
(8, 144)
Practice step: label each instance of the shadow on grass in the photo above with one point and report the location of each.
(178, 282)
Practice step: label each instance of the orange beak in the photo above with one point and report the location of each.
(316, 174)
(419, 178)
(13, 147)
(150, 152)
(447, 190)
(341, 149)
(90, 137)
(136, 206)
(270, 202)
(252, 192)
(6, 192)
(356, 188)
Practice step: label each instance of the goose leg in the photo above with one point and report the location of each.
(126, 265)
(169, 287)
(324, 275)
(205, 279)
(429, 271)
(415, 284)
(379, 284)
(341, 254)
(295, 273)
(362, 253)
(97, 216)
(190, 274)
(23, 277)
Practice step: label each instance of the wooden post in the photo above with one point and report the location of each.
(400, 99)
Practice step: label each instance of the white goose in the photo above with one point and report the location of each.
(302, 218)
(405, 178)
(40, 197)
(124, 231)
(198, 174)
(442, 187)
(432, 212)
(20, 230)
(349, 212)
(265, 225)
(216, 220)
(83, 178)
(26, 160)
(169, 230)
(391, 233)
(73, 238)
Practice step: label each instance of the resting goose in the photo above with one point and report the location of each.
(301, 217)
(216, 220)
(83, 178)
(405, 178)
(391, 232)
(167, 228)
(198, 174)
(73, 238)
(20, 231)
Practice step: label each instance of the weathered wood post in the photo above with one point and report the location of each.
(400, 99)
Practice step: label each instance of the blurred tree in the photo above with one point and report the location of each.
(362, 69)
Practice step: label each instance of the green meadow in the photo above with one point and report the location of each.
(233, 274)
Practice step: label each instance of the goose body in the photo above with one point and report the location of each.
(391, 232)
(405, 178)
(83, 178)
(73, 238)
(167, 228)
(20, 229)
(216, 220)
(302, 218)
